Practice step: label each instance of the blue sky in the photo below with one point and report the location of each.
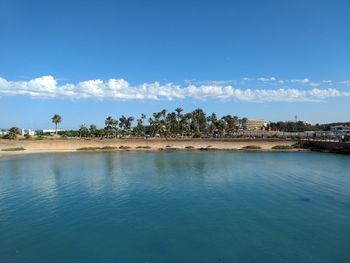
(89, 59)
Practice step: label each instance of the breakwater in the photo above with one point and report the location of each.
(326, 146)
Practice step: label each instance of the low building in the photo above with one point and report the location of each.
(28, 132)
(3, 132)
(340, 129)
(48, 131)
(255, 124)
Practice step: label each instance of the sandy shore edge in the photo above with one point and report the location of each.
(166, 145)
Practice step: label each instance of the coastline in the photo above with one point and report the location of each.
(158, 145)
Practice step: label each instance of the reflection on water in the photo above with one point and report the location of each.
(164, 163)
(175, 207)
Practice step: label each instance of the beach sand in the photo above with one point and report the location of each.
(151, 144)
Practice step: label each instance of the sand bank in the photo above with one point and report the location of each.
(71, 145)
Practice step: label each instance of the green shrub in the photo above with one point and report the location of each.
(123, 147)
(170, 149)
(251, 147)
(189, 147)
(144, 147)
(109, 148)
(300, 146)
(88, 149)
(203, 149)
(282, 147)
(13, 149)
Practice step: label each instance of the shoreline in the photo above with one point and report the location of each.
(145, 145)
(30, 152)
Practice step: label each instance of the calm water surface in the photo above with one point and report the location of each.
(175, 207)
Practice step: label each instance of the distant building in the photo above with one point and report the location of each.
(48, 131)
(340, 130)
(27, 132)
(255, 124)
(3, 132)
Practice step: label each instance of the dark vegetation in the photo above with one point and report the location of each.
(174, 124)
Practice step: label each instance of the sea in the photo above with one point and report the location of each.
(164, 207)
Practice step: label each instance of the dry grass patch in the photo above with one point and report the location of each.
(13, 149)
(251, 147)
(123, 147)
(190, 147)
(109, 148)
(88, 149)
(282, 147)
(144, 147)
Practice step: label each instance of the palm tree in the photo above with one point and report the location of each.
(111, 125)
(125, 123)
(13, 132)
(56, 119)
(155, 123)
(163, 112)
(199, 122)
(178, 117)
(83, 131)
(221, 126)
(140, 128)
(244, 123)
(186, 124)
(236, 122)
(212, 124)
(171, 123)
(93, 130)
(230, 124)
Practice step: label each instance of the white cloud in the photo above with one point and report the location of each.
(208, 82)
(308, 82)
(274, 80)
(301, 81)
(314, 84)
(346, 82)
(264, 79)
(46, 87)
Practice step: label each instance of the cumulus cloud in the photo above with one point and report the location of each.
(274, 80)
(314, 84)
(47, 87)
(264, 79)
(208, 82)
(301, 81)
(308, 82)
(345, 82)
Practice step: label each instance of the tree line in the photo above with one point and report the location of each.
(171, 124)
(166, 124)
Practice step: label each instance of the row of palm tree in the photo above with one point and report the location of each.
(162, 124)
(193, 124)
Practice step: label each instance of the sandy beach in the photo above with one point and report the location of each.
(72, 145)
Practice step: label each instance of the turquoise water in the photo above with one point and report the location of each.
(175, 207)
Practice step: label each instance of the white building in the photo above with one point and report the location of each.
(27, 132)
(49, 131)
(3, 132)
(255, 124)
